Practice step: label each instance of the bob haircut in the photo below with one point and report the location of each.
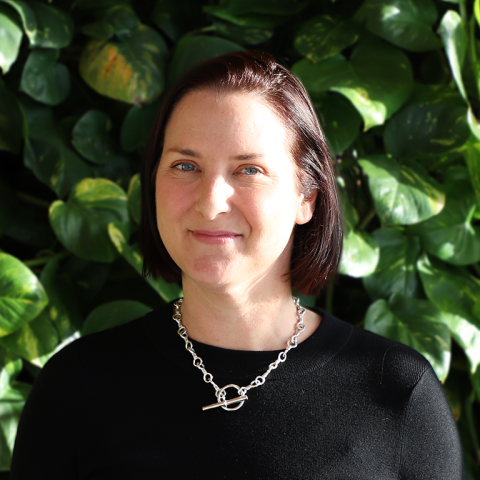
(317, 244)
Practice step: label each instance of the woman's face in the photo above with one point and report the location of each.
(226, 191)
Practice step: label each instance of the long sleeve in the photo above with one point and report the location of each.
(48, 434)
(431, 446)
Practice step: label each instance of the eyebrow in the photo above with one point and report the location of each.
(192, 153)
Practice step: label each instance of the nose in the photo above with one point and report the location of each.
(213, 197)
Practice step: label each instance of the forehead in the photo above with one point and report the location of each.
(245, 117)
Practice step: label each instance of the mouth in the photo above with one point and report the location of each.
(214, 237)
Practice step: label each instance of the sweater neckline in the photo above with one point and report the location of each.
(313, 353)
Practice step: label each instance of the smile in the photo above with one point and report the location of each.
(214, 237)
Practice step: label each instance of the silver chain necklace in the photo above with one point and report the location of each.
(260, 380)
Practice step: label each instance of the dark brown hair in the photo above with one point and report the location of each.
(317, 244)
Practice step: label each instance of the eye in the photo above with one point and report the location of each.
(185, 167)
(250, 170)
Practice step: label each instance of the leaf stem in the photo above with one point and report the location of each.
(473, 54)
(329, 297)
(366, 220)
(463, 12)
(33, 200)
(35, 262)
(471, 427)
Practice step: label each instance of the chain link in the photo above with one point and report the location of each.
(258, 381)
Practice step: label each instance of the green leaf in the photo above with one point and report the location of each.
(122, 19)
(476, 10)
(360, 254)
(11, 406)
(137, 125)
(321, 37)
(22, 296)
(131, 253)
(176, 17)
(48, 150)
(258, 20)
(455, 40)
(101, 29)
(35, 342)
(134, 198)
(416, 323)
(339, 119)
(11, 122)
(396, 268)
(91, 139)
(131, 70)
(404, 194)
(190, 51)
(274, 7)
(242, 35)
(472, 159)
(44, 79)
(98, 3)
(450, 235)
(118, 170)
(81, 223)
(112, 314)
(422, 131)
(473, 123)
(45, 26)
(10, 367)
(405, 23)
(63, 308)
(377, 79)
(454, 291)
(10, 37)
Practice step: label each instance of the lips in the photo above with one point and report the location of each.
(214, 237)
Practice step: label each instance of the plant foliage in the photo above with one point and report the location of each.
(396, 87)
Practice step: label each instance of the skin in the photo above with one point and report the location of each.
(227, 202)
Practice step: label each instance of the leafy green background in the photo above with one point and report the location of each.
(396, 87)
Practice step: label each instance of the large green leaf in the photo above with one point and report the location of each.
(176, 17)
(11, 121)
(81, 223)
(112, 314)
(134, 198)
(131, 70)
(472, 158)
(258, 20)
(137, 125)
(91, 139)
(396, 270)
(405, 23)
(416, 323)
(322, 37)
(35, 342)
(48, 150)
(131, 253)
(190, 51)
(45, 26)
(404, 194)
(454, 291)
(10, 37)
(339, 119)
(455, 41)
(11, 406)
(22, 296)
(44, 79)
(63, 308)
(360, 254)
(377, 79)
(420, 131)
(450, 235)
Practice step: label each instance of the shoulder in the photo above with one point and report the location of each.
(390, 363)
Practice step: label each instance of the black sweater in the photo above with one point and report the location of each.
(126, 404)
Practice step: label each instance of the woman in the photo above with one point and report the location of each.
(239, 202)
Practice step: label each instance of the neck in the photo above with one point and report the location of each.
(244, 319)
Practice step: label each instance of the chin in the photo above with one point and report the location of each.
(212, 273)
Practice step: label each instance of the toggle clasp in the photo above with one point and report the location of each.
(224, 403)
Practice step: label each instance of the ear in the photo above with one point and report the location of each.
(306, 208)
